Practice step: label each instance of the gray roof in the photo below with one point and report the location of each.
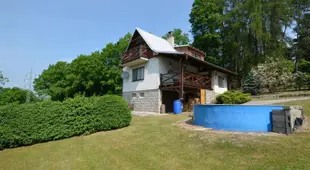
(157, 44)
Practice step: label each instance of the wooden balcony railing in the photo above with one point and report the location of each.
(135, 53)
(172, 81)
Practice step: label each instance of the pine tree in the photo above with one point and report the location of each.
(249, 85)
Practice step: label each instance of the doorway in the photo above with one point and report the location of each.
(168, 97)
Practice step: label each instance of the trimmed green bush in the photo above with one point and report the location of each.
(233, 97)
(27, 124)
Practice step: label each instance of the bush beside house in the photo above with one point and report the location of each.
(27, 124)
(233, 97)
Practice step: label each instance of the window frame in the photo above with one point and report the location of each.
(135, 74)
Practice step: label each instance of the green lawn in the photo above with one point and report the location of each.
(155, 143)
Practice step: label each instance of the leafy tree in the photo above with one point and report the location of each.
(53, 81)
(206, 18)
(304, 66)
(3, 79)
(15, 95)
(95, 74)
(180, 37)
(302, 47)
(240, 34)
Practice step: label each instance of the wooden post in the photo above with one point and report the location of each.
(181, 79)
(202, 96)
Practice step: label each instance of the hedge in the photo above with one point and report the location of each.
(27, 124)
(233, 97)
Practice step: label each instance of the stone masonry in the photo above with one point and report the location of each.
(210, 96)
(144, 101)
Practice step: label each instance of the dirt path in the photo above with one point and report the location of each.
(266, 102)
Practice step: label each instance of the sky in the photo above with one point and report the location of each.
(36, 33)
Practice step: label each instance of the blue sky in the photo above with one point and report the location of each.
(36, 33)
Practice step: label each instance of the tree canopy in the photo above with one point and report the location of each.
(98, 73)
(240, 34)
(16, 95)
(180, 37)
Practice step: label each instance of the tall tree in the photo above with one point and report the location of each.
(302, 47)
(206, 18)
(240, 34)
(95, 74)
(180, 37)
(53, 81)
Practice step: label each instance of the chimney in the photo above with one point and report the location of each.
(170, 38)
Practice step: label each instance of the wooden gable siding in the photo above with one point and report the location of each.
(137, 48)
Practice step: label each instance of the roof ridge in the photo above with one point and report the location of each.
(156, 44)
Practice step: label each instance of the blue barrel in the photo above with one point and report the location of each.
(177, 107)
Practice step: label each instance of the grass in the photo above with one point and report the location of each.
(155, 143)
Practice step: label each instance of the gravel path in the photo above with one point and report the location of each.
(266, 102)
(147, 113)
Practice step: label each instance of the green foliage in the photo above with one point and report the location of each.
(28, 124)
(3, 79)
(273, 75)
(249, 85)
(233, 97)
(301, 79)
(207, 20)
(240, 34)
(304, 65)
(16, 95)
(180, 37)
(95, 74)
(302, 47)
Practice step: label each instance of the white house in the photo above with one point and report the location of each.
(157, 72)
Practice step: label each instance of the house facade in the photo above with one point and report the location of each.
(156, 72)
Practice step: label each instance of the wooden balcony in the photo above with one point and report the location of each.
(176, 81)
(136, 55)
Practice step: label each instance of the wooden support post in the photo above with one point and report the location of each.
(181, 79)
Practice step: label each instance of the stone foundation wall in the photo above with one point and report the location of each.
(210, 96)
(144, 101)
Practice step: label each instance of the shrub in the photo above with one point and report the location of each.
(233, 97)
(271, 75)
(27, 124)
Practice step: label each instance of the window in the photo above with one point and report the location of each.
(141, 95)
(138, 74)
(221, 81)
(134, 95)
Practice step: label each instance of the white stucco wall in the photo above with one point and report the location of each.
(151, 77)
(216, 88)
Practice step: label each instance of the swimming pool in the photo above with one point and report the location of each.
(243, 118)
